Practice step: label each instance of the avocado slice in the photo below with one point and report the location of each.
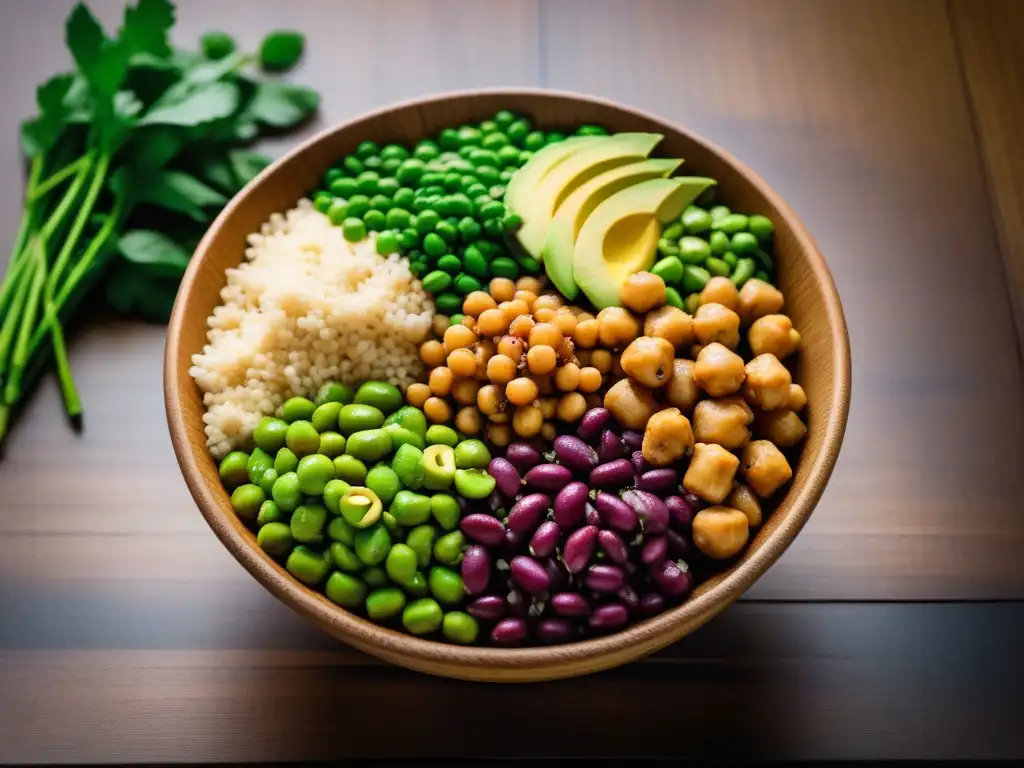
(524, 181)
(577, 169)
(621, 235)
(574, 210)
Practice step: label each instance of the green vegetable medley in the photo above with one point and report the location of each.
(131, 156)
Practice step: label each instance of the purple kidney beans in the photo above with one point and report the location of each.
(609, 616)
(487, 608)
(557, 573)
(613, 546)
(554, 630)
(509, 632)
(632, 439)
(658, 480)
(615, 513)
(651, 604)
(678, 544)
(570, 504)
(629, 597)
(590, 515)
(505, 475)
(605, 578)
(614, 474)
(575, 454)
(639, 463)
(681, 510)
(593, 423)
(570, 604)
(527, 512)
(548, 477)
(611, 447)
(545, 538)
(483, 528)
(530, 575)
(579, 548)
(652, 511)
(654, 550)
(476, 569)
(673, 578)
(523, 457)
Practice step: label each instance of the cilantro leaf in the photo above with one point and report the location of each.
(102, 62)
(210, 102)
(41, 133)
(146, 27)
(181, 192)
(154, 251)
(282, 105)
(281, 50)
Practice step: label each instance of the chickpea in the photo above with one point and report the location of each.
(567, 378)
(501, 417)
(565, 322)
(521, 391)
(437, 410)
(465, 391)
(548, 431)
(714, 322)
(765, 468)
(521, 326)
(757, 299)
(440, 381)
(631, 404)
(544, 315)
(527, 421)
(720, 532)
(589, 380)
(581, 314)
(501, 369)
(718, 370)
(767, 382)
(671, 324)
(545, 333)
(485, 350)
(602, 360)
(746, 501)
(527, 283)
(649, 361)
(502, 289)
(467, 420)
(528, 296)
(682, 391)
(548, 406)
(457, 337)
(783, 427)
(492, 322)
(667, 438)
(797, 398)
(470, 322)
(499, 435)
(547, 301)
(417, 394)
(616, 327)
(585, 333)
(721, 290)
(545, 383)
(432, 353)
(541, 359)
(723, 421)
(462, 362)
(571, 407)
(516, 308)
(711, 472)
(440, 324)
(489, 398)
(476, 302)
(773, 334)
(512, 347)
(642, 292)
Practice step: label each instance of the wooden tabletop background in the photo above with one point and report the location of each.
(894, 624)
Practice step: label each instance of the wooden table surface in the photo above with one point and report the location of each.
(893, 625)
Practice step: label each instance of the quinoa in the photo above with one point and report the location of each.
(304, 308)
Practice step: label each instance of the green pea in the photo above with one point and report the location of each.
(358, 205)
(467, 284)
(455, 319)
(357, 417)
(452, 181)
(504, 267)
(421, 540)
(332, 392)
(302, 438)
(474, 262)
(457, 205)
(449, 265)
(381, 203)
(383, 481)
(401, 436)
(495, 141)
(374, 220)
(269, 513)
(426, 150)
(437, 281)
(730, 258)
(692, 303)
(401, 563)
(719, 212)
(488, 176)
(743, 272)
(469, 135)
(366, 182)
(423, 616)
(398, 218)
(269, 435)
(350, 469)
(672, 297)
(438, 434)
(345, 590)
(394, 151)
(534, 140)
(439, 466)
(337, 212)
(480, 157)
(322, 201)
(555, 136)
(503, 119)
(512, 222)
(668, 247)
(286, 461)
(446, 585)
(524, 157)
(529, 264)
(761, 227)
(374, 577)
(408, 240)
(409, 417)
(473, 483)
(373, 544)
(488, 127)
(426, 221)
(353, 165)
(447, 232)
(716, 267)
(472, 454)
(447, 303)
(339, 529)
(506, 174)
(307, 524)
(366, 149)
(731, 224)
(719, 243)
(297, 408)
(518, 131)
(267, 481)
(368, 444)
(445, 510)
(314, 472)
(353, 229)
(403, 198)
(343, 187)
(591, 130)
(384, 603)
(344, 558)
(411, 171)
(694, 250)
(332, 444)
(246, 500)
(275, 539)
(389, 168)
(669, 269)
(307, 565)
(695, 278)
(392, 525)
(232, 470)
(410, 509)
(333, 492)
(431, 179)
(387, 243)
(448, 549)
(459, 627)
(743, 243)
(434, 244)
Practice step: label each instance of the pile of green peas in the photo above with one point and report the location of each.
(440, 202)
(359, 498)
(708, 242)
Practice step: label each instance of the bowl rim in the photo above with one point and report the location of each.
(470, 661)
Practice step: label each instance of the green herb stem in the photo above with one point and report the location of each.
(59, 177)
(66, 202)
(11, 319)
(16, 263)
(35, 291)
(78, 226)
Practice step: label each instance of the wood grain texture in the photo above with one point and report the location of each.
(988, 34)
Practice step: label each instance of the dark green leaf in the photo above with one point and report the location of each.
(102, 62)
(209, 102)
(281, 105)
(146, 26)
(41, 134)
(155, 252)
(217, 45)
(281, 50)
(181, 192)
(153, 147)
(245, 130)
(246, 165)
(214, 169)
(133, 291)
(143, 60)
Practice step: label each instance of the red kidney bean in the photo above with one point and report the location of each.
(579, 548)
(570, 604)
(570, 503)
(609, 616)
(614, 474)
(509, 546)
(613, 546)
(505, 475)
(591, 515)
(654, 550)
(575, 454)
(487, 608)
(672, 577)
(548, 477)
(605, 578)
(518, 603)
(527, 512)
(678, 544)
(632, 439)
(509, 632)
(681, 510)
(483, 528)
(545, 539)
(658, 480)
(593, 422)
(615, 513)
(530, 575)
(523, 457)
(638, 462)
(476, 569)
(694, 501)
(557, 573)
(554, 630)
(652, 603)
(629, 597)
(652, 510)
(611, 447)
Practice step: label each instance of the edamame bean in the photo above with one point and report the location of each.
(504, 267)
(372, 544)
(345, 590)
(668, 247)
(447, 303)
(719, 212)
(385, 603)
(715, 266)
(694, 250)
(743, 272)
(719, 242)
(410, 509)
(246, 500)
(467, 284)
(368, 444)
(672, 297)
(695, 278)
(344, 558)
(407, 463)
(269, 513)
(275, 539)
(392, 525)
(731, 224)
(401, 563)
(340, 530)
(233, 469)
(307, 565)
(380, 395)
(472, 454)
(383, 481)
(761, 227)
(669, 269)
(691, 303)
(696, 221)
(285, 461)
(267, 481)
(360, 507)
(332, 444)
(445, 510)
(423, 616)
(469, 229)
(297, 408)
(374, 577)
(473, 483)
(421, 540)
(673, 231)
(438, 280)
(743, 243)
(448, 549)
(333, 492)
(286, 492)
(314, 472)
(409, 417)
(269, 435)
(439, 465)
(302, 438)
(474, 263)
(459, 627)
(358, 417)
(308, 522)
(446, 585)
(730, 258)
(401, 436)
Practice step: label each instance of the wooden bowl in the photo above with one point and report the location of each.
(811, 301)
